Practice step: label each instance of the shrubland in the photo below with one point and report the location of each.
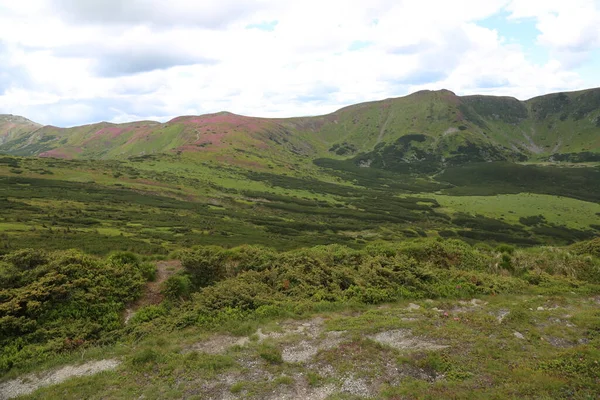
(54, 302)
(61, 302)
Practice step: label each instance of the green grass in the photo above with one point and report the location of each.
(565, 211)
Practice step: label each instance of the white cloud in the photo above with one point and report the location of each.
(124, 60)
(571, 30)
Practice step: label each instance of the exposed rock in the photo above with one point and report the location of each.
(519, 335)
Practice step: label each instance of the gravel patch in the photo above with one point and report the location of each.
(355, 386)
(300, 390)
(310, 328)
(307, 349)
(402, 339)
(32, 382)
(501, 315)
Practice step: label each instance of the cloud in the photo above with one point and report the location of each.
(408, 49)
(320, 92)
(491, 82)
(206, 13)
(120, 61)
(569, 29)
(68, 62)
(359, 45)
(11, 74)
(420, 77)
(73, 112)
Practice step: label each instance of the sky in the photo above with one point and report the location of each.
(73, 62)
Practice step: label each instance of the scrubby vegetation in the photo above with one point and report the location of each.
(60, 302)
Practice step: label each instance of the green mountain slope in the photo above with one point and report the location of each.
(211, 133)
(427, 128)
(14, 128)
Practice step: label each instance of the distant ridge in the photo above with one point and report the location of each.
(423, 126)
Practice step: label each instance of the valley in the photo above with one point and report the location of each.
(428, 246)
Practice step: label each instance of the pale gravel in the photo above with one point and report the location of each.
(32, 382)
(402, 339)
(355, 386)
(307, 349)
(501, 315)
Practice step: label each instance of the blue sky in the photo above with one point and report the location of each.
(70, 62)
(522, 32)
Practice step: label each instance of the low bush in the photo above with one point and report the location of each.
(177, 287)
(591, 247)
(59, 301)
(382, 272)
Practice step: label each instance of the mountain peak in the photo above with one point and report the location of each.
(16, 119)
(428, 92)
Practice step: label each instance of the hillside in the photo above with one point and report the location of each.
(430, 246)
(428, 128)
(208, 133)
(13, 128)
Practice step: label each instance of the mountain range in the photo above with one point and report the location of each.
(427, 128)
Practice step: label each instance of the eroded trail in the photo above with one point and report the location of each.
(152, 294)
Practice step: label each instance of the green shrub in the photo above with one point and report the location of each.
(123, 258)
(557, 261)
(148, 270)
(149, 313)
(583, 363)
(270, 353)
(505, 248)
(591, 247)
(60, 301)
(178, 286)
(204, 265)
(26, 259)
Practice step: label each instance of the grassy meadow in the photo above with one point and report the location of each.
(558, 210)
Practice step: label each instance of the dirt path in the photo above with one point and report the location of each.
(152, 295)
(32, 382)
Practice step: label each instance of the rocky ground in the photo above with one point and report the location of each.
(528, 346)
